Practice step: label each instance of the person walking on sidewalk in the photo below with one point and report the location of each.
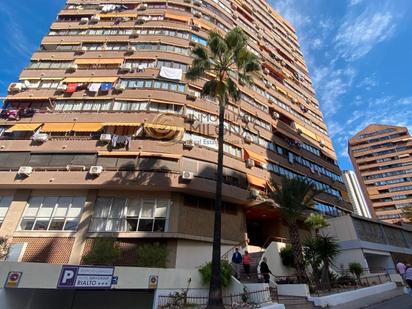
(237, 262)
(265, 271)
(246, 264)
(408, 275)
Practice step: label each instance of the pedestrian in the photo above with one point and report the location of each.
(236, 262)
(246, 264)
(408, 275)
(265, 271)
(401, 268)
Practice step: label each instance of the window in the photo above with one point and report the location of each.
(112, 214)
(52, 213)
(5, 202)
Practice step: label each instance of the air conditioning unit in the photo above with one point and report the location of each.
(40, 137)
(126, 67)
(17, 87)
(275, 115)
(197, 2)
(299, 131)
(250, 163)
(271, 100)
(84, 20)
(191, 95)
(266, 71)
(132, 49)
(187, 175)
(198, 14)
(107, 138)
(264, 166)
(189, 144)
(25, 171)
(268, 84)
(96, 170)
(72, 67)
(187, 1)
(254, 193)
(196, 27)
(61, 87)
(94, 19)
(322, 143)
(142, 6)
(140, 20)
(134, 34)
(247, 139)
(120, 87)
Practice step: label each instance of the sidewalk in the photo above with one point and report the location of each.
(371, 300)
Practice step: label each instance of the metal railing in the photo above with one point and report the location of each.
(182, 300)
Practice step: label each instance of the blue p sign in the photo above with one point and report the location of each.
(67, 277)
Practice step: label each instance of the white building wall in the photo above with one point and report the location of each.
(356, 194)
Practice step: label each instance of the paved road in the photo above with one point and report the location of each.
(400, 302)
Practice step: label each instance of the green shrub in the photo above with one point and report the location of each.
(356, 269)
(226, 272)
(152, 255)
(286, 254)
(104, 251)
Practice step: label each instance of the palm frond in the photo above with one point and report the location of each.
(216, 44)
(201, 63)
(236, 39)
(232, 89)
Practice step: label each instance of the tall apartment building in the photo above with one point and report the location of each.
(357, 198)
(102, 134)
(382, 158)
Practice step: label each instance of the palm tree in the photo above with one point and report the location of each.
(328, 249)
(316, 222)
(224, 59)
(311, 255)
(294, 196)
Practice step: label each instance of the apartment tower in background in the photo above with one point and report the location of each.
(382, 158)
(357, 198)
(103, 135)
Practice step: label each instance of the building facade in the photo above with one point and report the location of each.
(102, 135)
(357, 198)
(382, 158)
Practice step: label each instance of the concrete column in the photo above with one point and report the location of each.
(83, 229)
(16, 209)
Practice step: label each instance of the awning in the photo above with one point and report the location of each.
(122, 124)
(306, 131)
(24, 127)
(87, 127)
(110, 79)
(204, 25)
(115, 15)
(117, 153)
(160, 155)
(177, 17)
(99, 61)
(256, 181)
(255, 157)
(284, 92)
(57, 127)
(163, 127)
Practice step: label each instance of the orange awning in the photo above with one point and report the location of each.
(305, 131)
(57, 127)
(117, 153)
(255, 157)
(23, 127)
(256, 181)
(99, 61)
(177, 17)
(160, 155)
(87, 127)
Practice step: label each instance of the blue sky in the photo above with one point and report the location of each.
(358, 52)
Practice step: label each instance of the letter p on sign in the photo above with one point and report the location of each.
(67, 277)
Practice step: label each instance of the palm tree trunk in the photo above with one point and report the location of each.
(297, 252)
(325, 276)
(215, 291)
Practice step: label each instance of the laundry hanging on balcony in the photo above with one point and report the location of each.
(106, 86)
(171, 73)
(94, 87)
(72, 87)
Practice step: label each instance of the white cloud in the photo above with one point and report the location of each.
(357, 36)
(355, 2)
